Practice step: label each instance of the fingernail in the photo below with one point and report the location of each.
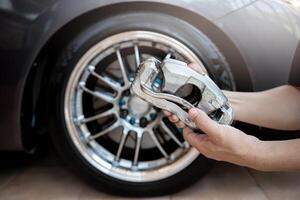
(193, 112)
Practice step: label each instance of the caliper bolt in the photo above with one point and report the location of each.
(157, 83)
(143, 122)
(123, 113)
(126, 93)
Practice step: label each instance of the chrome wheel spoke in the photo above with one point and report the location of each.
(121, 145)
(170, 133)
(123, 69)
(137, 148)
(137, 55)
(158, 145)
(111, 83)
(105, 131)
(100, 95)
(98, 116)
(98, 92)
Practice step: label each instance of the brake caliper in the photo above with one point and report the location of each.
(159, 82)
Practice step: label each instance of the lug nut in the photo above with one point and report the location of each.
(123, 113)
(131, 77)
(143, 122)
(132, 121)
(180, 130)
(122, 102)
(153, 116)
(126, 93)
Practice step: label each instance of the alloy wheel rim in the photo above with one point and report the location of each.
(102, 75)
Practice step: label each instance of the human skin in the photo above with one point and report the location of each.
(278, 108)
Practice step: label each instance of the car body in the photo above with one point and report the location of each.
(258, 38)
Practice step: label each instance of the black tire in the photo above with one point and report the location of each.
(168, 25)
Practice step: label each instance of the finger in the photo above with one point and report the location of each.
(173, 119)
(186, 132)
(167, 113)
(200, 141)
(180, 124)
(196, 140)
(196, 68)
(209, 126)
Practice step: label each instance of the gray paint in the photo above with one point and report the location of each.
(267, 35)
(27, 29)
(265, 32)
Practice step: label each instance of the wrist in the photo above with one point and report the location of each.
(257, 154)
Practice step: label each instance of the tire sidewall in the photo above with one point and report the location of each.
(171, 26)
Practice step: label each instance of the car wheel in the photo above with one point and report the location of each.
(118, 141)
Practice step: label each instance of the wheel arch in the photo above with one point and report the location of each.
(34, 117)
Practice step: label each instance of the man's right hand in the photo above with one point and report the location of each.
(222, 142)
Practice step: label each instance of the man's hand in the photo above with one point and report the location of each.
(221, 142)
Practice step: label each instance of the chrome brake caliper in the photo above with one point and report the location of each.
(157, 83)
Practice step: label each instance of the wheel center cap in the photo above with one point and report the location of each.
(137, 106)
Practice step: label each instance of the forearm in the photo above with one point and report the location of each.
(276, 156)
(278, 108)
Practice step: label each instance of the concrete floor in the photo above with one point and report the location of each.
(47, 179)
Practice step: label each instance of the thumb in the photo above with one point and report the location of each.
(192, 138)
(203, 122)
